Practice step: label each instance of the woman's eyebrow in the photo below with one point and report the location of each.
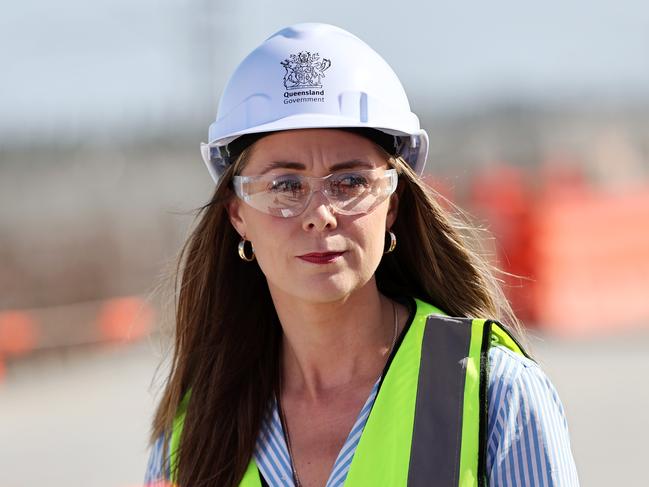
(283, 165)
(354, 163)
(351, 164)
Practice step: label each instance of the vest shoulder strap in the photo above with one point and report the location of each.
(500, 336)
(428, 422)
(176, 433)
(251, 477)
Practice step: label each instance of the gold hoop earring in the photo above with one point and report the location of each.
(242, 250)
(393, 243)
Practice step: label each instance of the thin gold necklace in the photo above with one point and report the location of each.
(282, 418)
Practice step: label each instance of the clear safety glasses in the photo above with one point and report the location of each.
(287, 195)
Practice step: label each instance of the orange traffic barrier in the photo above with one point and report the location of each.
(501, 197)
(18, 333)
(125, 319)
(592, 250)
(583, 253)
(443, 188)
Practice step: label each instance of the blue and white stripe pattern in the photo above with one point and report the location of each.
(271, 452)
(528, 442)
(527, 446)
(154, 469)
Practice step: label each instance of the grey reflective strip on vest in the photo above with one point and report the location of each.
(437, 435)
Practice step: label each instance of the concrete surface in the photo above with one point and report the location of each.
(80, 418)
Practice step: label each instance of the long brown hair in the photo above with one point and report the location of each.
(228, 337)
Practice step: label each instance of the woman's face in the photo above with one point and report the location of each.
(320, 255)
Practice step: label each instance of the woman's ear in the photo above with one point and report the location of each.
(233, 208)
(393, 210)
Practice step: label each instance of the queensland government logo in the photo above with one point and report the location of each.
(303, 77)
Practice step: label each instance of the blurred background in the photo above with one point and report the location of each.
(539, 122)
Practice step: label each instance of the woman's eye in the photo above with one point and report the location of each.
(292, 186)
(350, 184)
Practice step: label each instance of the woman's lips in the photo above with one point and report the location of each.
(320, 257)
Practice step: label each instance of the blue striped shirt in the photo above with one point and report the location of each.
(527, 435)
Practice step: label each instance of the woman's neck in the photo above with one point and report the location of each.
(329, 347)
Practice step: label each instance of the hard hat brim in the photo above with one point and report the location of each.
(415, 147)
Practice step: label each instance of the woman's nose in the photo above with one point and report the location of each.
(319, 214)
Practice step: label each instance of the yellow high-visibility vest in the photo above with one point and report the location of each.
(428, 423)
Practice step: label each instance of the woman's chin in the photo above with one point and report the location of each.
(323, 290)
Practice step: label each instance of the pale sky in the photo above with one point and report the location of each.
(79, 67)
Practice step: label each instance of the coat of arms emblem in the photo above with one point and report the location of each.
(304, 70)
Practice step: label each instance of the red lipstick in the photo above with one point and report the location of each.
(320, 257)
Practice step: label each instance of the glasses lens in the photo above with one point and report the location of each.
(360, 192)
(288, 195)
(283, 196)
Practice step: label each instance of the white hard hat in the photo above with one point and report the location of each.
(313, 75)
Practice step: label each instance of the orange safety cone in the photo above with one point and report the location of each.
(18, 333)
(125, 319)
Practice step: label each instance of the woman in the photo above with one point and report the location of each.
(314, 344)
